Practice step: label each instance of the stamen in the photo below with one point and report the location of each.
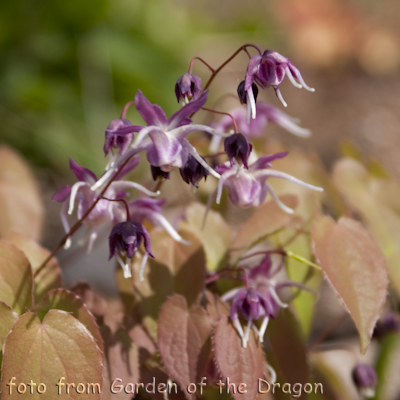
(291, 78)
(277, 200)
(74, 191)
(279, 94)
(169, 228)
(142, 265)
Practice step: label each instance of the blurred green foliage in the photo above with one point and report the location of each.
(67, 67)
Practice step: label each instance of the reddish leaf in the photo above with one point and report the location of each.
(15, 278)
(356, 269)
(61, 299)
(7, 318)
(44, 352)
(176, 268)
(240, 365)
(267, 219)
(122, 364)
(216, 308)
(50, 277)
(183, 341)
(21, 208)
(284, 334)
(94, 302)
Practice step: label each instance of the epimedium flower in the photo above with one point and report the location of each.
(193, 172)
(250, 187)
(255, 127)
(364, 377)
(259, 299)
(81, 191)
(188, 87)
(158, 173)
(269, 69)
(164, 139)
(238, 149)
(126, 237)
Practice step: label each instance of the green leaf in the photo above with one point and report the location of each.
(62, 299)
(184, 341)
(240, 365)
(176, 268)
(15, 278)
(44, 352)
(50, 277)
(215, 237)
(267, 219)
(355, 267)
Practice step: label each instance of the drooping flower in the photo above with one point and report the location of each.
(256, 127)
(389, 323)
(364, 377)
(126, 237)
(238, 149)
(193, 172)
(158, 173)
(242, 94)
(104, 210)
(164, 139)
(250, 187)
(269, 69)
(259, 300)
(188, 87)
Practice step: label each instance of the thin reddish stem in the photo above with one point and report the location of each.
(128, 216)
(221, 153)
(127, 105)
(200, 59)
(78, 224)
(223, 113)
(258, 253)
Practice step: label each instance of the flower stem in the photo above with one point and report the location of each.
(223, 113)
(303, 260)
(127, 105)
(200, 59)
(128, 216)
(78, 224)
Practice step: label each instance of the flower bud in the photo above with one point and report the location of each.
(364, 377)
(238, 148)
(119, 135)
(390, 323)
(192, 172)
(188, 87)
(242, 93)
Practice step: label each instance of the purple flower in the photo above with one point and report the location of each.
(193, 172)
(238, 148)
(242, 94)
(188, 87)
(364, 377)
(259, 300)
(390, 323)
(119, 135)
(255, 127)
(104, 211)
(164, 139)
(126, 237)
(158, 173)
(269, 70)
(249, 188)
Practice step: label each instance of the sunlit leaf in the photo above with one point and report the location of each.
(15, 278)
(176, 268)
(356, 269)
(44, 352)
(62, 299)
(7, 318)
(21, 208)
(184, 341)
(50, 277)
(215, 237)
(240, 365)
(266, 219)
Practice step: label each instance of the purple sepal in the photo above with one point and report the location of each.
(189, 86)
(262, 270)
(157, 172)
(192, 172)
(364, 377)
(238, 148)
(152, 114)
(265, 161)
(83, 174)
(242, 92)
(63, 194)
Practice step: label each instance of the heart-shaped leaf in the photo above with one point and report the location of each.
(183, 341)
(15, 278)
(356, 269)
(44, 352)
(215, 236)
(50, 277)
(240, 365)
(62, 299)
(7, 318)
(267, 219)
(176, 268)
(21, 208)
